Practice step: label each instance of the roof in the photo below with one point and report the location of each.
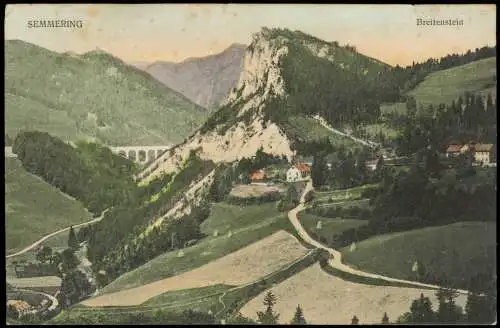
(18, 304)
(258, 175)
(453, 148)
(302, 167)
(483, 147)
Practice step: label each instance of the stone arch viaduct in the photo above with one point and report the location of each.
(140, 154)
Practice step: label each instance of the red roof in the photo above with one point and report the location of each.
(303, 168)
(257, 175)
(453, 148)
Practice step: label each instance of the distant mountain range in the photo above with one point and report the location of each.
(206, 81)
(92, 96)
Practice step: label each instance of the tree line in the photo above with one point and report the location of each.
(396, 82)
(91, 173)
(469, 118)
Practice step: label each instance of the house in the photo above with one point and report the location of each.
(21, 307)
(305, 169)
(298, 172)
(483, 153)
(453, 150)
(257, 176)
(293, 174)
(372, 165)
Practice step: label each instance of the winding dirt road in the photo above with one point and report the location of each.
(323, 123)
(336, 256)
(41, 240)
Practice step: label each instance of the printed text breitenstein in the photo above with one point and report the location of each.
(439, 22)
(55, 23)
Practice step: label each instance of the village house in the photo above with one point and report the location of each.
(293, 174)
(453, 150)
(298, 172)
(371, 165)
(21, 307)
(258, 176)
(483, 153)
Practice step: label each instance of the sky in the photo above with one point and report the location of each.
(174, 32)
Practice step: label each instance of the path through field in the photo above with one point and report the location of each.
(336, 256)
(41, 240)
(323, 123)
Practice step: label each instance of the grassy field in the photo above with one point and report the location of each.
(34, 208)
(457, 251)
(343, 194)
(220, 300)
(393, 108)
(326, 299)
(373, 130)
(447, 85)
(186, 294)
(330, 209)
(225, 217)
(247, 224)
(308, 129)
(329, 227)
(238, 268)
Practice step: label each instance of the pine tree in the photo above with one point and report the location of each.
(421, 311)
(318, 170)
(269, 317)
(448, 312)
(298, 318)
(481, 300)
(411, 105)
(490, 111)
(72, 241)
(385, 319)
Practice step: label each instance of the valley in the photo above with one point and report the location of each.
(290, 180)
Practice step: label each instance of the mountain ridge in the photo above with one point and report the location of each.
(93, 95)
(204, 80)
(247, 120)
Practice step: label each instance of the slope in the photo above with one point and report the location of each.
(447, 85)
(34, 208)
(285, 74)
(236, 226)
(326, 299)
(238, 268)
(207, 80)
(441, 252)
(93, 95)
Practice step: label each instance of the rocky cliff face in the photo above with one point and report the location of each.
(205, 81)
(259, 80)
(242, 124)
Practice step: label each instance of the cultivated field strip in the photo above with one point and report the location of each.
(238, 268)
(192, 301)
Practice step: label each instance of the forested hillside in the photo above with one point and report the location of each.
(89, 172)
(94, 95)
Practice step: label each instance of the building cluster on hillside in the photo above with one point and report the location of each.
(297, 172)
(483, 153)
